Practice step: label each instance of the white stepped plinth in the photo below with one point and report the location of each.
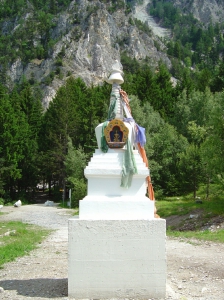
(104, 175)
(106, 199)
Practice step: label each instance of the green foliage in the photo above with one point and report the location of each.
(78, 110)
(47, 80)
(32, 110)
(163, 147)
(195, 107)
(131, 21)
(10, 8)
(192, 42)
(129, 65)
(170, 152)
(213, 146)
(28, 27)
(155, 88)
(143, 27)
(21, 116)
(165, 11)
(115, 5)
(75, 163)
(13, 133)
(78, 192)
(217, 84)
(58, 62)
(183, 124)
(191, 169)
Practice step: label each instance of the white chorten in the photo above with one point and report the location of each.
(116, 246)
(106, 198)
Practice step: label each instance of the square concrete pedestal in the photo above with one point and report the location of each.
(117, 259)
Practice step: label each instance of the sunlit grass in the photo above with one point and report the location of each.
(175, 206)
(18, 239)
(206, 235)
(212, 206)
(181, 205)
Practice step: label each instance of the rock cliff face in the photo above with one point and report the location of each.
(203, 10)
(90, 36)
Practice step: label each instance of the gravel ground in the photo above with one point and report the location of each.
(42, 274)
(195, 270)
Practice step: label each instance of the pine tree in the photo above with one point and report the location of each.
(13, 133)
(31, 109)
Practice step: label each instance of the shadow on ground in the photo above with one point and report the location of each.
(41, 197)
(38, 287)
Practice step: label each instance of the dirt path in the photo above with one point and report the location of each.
(195, 270)
(43, 273)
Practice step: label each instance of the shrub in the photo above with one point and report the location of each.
(78, 192)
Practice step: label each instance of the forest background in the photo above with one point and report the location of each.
(184, 122)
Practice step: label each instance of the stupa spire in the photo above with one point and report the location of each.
(115, 78)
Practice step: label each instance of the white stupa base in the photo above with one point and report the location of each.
(116, 208)
(104, 172)
(117, 259)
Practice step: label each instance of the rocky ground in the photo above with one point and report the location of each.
(141, 14)
(195, 270)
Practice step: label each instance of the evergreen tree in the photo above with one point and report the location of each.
(13, 134)
(191, 170)
(162, 93)
(213, 147)
(218, 82)
(74, 112)
(25, 104)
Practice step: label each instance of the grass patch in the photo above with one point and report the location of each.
(210, 211)
(18, 239)
(175, 206)
(76, 213)
(206, 235)
(185, 205)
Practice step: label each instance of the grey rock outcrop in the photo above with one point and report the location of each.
(89, 38)
(205, 11)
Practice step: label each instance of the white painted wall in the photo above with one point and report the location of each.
(117, 259)
(116, 208)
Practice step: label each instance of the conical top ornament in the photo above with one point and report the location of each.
(116, 74)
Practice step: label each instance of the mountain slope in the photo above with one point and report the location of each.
(81, 39)
(89, 36)
(203, 10)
